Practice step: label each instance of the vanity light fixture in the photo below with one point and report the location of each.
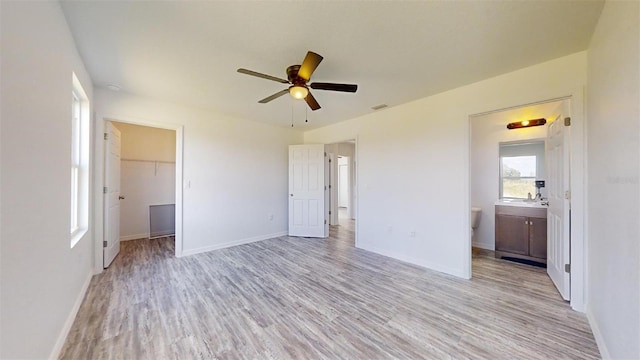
(526, 123)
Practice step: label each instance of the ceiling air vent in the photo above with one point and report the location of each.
(381, 106)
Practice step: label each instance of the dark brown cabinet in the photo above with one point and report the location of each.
(521, 232)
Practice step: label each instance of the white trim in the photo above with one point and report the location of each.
(415, 261)
(232, 243)
(77, 235)
(578, 200)
(602, 346)
(356, 201)
(62, 337)
(179, 245)
(99, 163)
(134, 237)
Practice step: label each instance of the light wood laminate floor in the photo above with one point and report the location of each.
(305, 298)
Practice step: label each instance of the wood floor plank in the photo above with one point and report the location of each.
(299, 298)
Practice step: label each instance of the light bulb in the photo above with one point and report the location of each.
(298, 92)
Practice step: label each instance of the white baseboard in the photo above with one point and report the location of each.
(602, 347)
(483, 246)
(134, 237)
(57, 348)
(188, 252)
(409, 259)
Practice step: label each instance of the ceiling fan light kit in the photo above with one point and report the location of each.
(298, 92)
(298, 76)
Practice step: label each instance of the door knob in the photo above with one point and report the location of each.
(120, 197)
(291, 195)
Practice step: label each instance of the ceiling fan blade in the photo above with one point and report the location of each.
(274, 96)
(312, 102)
(261, 75)
(334, 87)
(309, 65)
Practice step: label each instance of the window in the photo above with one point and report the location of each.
(75, 161)
(518, 175)
(79, 214)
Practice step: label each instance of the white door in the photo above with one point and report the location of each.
(306, 190)
(112, 195)
(558, 218)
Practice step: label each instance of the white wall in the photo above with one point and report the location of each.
(422, 150)
(43, 279)
(143, 183)
(147, 175)
(487, 132)
(614, 196)
(235, 170)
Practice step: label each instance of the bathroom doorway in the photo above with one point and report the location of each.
(508, 176)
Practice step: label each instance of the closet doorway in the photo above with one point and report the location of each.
(141, 183)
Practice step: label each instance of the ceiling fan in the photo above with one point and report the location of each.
(298, 76)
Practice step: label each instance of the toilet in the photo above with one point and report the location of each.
(475, 218)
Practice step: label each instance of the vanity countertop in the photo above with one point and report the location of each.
(522, 203)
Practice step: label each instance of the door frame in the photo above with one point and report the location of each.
(579, 233)
(348, 180)
(332, 189)
(99, 175)
(355, 198)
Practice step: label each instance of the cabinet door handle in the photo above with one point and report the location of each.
(530, 222)
(526, 222)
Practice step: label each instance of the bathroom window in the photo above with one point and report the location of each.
(517, 176)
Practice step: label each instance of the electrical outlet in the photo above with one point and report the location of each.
(389, 228)
(412, 234)
(270, 217)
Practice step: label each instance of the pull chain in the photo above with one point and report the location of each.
(305, 113)
(291, 114)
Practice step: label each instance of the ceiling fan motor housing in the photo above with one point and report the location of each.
(292, 75)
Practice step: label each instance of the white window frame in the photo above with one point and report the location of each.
(502, 177)
(79, 180)
(75, 161)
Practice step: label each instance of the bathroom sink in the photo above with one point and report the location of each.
(520, 202)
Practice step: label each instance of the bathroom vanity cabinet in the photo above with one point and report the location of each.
(521, 232)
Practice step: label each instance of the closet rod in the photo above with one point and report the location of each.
(150, 161)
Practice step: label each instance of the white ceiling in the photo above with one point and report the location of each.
(188, 52)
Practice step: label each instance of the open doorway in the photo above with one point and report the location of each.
(139, 165)
(519, 181)
(141, 187)
(341, 191)
(147, 182)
